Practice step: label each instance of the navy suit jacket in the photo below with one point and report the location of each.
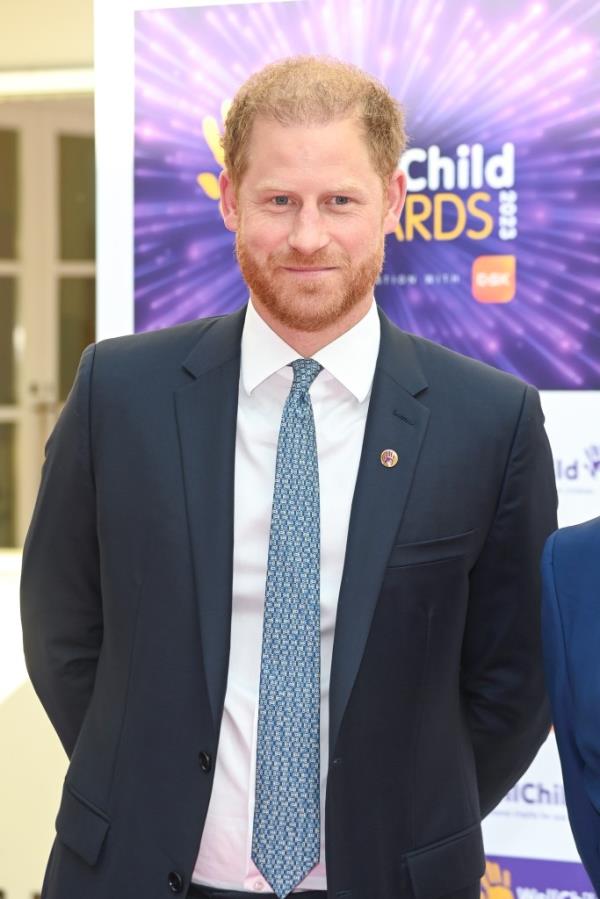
(571, 633)
(437, 698)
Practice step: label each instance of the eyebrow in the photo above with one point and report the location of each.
(349, 187)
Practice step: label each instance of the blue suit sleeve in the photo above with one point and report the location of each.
(573, 678)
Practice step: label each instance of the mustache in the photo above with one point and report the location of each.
(319, 259)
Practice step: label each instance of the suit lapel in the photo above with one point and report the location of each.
(206, 411)
(398, 421)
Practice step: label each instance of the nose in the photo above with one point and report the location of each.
(308, 233)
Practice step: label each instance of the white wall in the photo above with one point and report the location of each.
(32, 761)
(42, 35)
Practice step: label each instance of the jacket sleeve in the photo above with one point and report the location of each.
(61, 604)
(502, 671)
(570, 632)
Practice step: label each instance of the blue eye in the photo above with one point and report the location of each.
(281, 200)
(341, 201)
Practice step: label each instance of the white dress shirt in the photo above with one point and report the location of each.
(340, 398)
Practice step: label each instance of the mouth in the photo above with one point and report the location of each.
(307, 272)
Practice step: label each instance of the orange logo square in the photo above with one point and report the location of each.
(493, 279)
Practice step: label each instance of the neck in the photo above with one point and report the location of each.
(307, 343)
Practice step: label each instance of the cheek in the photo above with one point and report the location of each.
(263, 237)
(359, 238)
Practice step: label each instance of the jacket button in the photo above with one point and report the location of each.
(337, 762)
(175, 882)
(206, 761)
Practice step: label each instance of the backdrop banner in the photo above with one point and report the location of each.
(496, 254)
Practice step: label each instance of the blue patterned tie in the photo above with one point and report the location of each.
(286, 834)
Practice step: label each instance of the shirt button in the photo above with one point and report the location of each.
(206, 762)
(175, 881)
(258, 885)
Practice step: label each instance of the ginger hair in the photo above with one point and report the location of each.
(315, 90)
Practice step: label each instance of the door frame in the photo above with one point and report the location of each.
(37, 272)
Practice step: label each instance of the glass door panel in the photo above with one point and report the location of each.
(8, 316)
(7, 484)
(8, 193)
(76, 182)
(77, 317)
(10, 269)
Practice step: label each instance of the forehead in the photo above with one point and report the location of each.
(334, 149)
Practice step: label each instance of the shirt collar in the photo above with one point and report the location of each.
(350, 359)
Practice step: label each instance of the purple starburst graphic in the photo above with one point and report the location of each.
(503, 114)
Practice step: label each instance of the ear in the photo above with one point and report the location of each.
(228, 202)
(395, 197)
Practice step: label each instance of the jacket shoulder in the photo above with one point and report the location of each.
(163, 358)
(170, 342)
(579, 543)
(445, 366)
(571, 568)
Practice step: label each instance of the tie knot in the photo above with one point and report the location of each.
(305, 371)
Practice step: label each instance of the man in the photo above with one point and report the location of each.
(571, 636)
(281, 590)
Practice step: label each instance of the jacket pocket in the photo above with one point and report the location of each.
(447, 866)
(81, 826)
(430, 550)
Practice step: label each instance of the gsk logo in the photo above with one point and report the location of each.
(493, 279)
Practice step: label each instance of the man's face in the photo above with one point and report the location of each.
(310, 214)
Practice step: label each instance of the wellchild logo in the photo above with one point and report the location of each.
(580, 473)
(593, 460)
(470, 192)
(496, 883)
(536, 794)
(529, 878)
(209, 181)
(534, 800)
(552, 893)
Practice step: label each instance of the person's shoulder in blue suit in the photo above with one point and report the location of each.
(571, 634)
